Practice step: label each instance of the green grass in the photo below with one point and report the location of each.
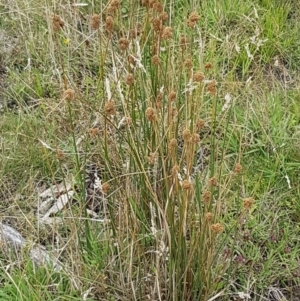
(172, 218)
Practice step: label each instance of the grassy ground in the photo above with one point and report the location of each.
(176, 125)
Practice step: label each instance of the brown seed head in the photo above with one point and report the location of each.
(248, 203)
(131, 60)
(69, 94)
(193, 19)
(188, 63)
(167, 33)
(172, 96)
(186, 185)
(113, 6)
(163, 16)
(152, 158)
(137, 31)
(238, 168)
(175, 170)
(172, 144)
(105, 187)
(195, 138)
(129, 79)
(128, 121)
(93, 132)
(110, 108)
(206, 196)
(95, 22)
(109, 23)
(183, 41)
(213, 182)
(198, 77)
(200, 124)
(211, 88)
(156, 24)
(217, 228)
(186, 135)
(123, 43)
(157, 6)
(174, 112)
(60, 155)
(150, 114)
(57, 23)
(155, 60)
(148, 3)
(209, 216)
(208, 66)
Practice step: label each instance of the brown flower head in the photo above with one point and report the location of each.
(60, 155)
(248, 203)
(136, 31)
(208, 66)
(167, 33)
(131, 60)
(186, 135)
(172, 144)
(93, 132)
(188, 63)
(206, 196)
(129, 79)
(163, 16)
(105, 187)
(113, 6)
(200, 124)
(209, 216)
(155, 60)
(109, 23)
(127, 121)
(193, 19)
(183, 41)
(174, 112)
(110, 108)
(195, 138)
(198, 77)
(157, 6)
(123, 43)
(175, 170)
(150, 114)
(213, 182)
(148, 3)
(238, 168)
(95, 22)
(57, 23)
(211, 88)
(186, 185)
(69, 94)
(172, 96)
(217, 228)
(156, 24)
(152, 158)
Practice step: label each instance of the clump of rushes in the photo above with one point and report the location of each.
(164, 210)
